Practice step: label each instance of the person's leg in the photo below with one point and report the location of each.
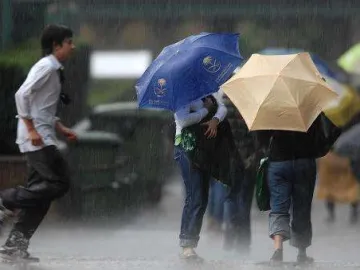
(245, 203)
(303, 189)
(26, 225)
(279, 179)
(48, 180)
(28, 220)
(330, 206)
(231, 215)
(232, 210)
(210, 208)
(219, 198)
(354, 213)
(196, 199)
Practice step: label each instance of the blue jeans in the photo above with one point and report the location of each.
(292, 184)
(216, 200)
(197, 191)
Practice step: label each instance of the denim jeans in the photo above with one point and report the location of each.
(196, 198)
(291, 185)
(237, 208)
(216, 201)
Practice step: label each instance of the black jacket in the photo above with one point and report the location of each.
(290, 145)
(217, 156)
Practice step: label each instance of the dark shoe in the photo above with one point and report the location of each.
(277, 258)
(304, 259)
(16, 256)
(13, 253)
(16, 248)
(17, 241)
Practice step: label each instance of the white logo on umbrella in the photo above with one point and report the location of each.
(160, 88)
(211, 65)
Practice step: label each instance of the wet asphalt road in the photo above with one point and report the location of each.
(150, 241)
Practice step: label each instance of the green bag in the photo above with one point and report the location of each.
(262, 189)
(262, 192)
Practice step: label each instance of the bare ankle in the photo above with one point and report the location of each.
(278, 242)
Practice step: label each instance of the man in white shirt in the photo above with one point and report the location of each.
(36, 101)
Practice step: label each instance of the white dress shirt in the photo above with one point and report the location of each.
(195, 112)
(37, 99)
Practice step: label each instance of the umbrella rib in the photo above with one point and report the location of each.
(232, 54)
(208, 34)
(200, 37)
(289, 63)
(261, 103)
(298, 79)
(297, 107)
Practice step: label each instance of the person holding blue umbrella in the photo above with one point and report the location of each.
(184, 79)
(208, 113)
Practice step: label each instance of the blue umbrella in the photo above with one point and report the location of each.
(188, 70)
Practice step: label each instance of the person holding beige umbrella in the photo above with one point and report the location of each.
(282, 98)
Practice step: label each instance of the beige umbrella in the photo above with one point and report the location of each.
(281, 92)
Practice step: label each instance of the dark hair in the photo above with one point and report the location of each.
(54, 34)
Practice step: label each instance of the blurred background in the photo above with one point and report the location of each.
(123, 161)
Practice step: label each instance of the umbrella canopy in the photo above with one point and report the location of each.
(347, 103)
(188, 70)
(279, 92)
(326, 68)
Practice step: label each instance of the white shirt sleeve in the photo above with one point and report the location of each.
(35, 80)
(222, 110)
(184, 118)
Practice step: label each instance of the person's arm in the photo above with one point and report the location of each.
(219, 116)
(222, 110)
(184, 118)
(67, 132)
(33, 82)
